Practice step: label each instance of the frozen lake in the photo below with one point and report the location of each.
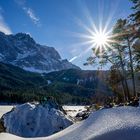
(71, 110)
(4, 109)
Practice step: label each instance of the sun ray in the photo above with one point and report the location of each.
(80, 23)
(81, 35)
(84, 52)
(90, 19)
(84, 43)
(104, 46)
(98, 38)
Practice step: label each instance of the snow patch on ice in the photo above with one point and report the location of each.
(4, 109)
(73, 110)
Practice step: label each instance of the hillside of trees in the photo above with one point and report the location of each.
(67, 86)
(123, 55)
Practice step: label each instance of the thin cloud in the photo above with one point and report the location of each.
(4, 26)
(29, 11)
(32, 15)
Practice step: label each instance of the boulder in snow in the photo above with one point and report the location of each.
(35, 120)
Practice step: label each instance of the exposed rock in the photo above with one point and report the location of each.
(2, 128)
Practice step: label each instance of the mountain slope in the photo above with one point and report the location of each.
(68, 86)
(15, 77)
(88, 81)
(21, 50)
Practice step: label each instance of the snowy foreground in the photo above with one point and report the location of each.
(121, 123)
(35, 120)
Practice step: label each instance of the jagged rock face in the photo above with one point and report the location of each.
(35, 120)
(21, 50)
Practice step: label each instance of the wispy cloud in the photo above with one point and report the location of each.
(32, 15)
(29, 11)
(3, 25)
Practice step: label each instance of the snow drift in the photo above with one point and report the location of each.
(120, 123)
(31, 120)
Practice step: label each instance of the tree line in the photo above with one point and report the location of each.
(123, 55)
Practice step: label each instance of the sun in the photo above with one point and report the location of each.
(100, 39)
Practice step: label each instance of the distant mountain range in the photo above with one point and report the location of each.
(21, 50)
(30, 71)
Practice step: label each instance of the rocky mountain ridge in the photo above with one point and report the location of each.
(21, 50)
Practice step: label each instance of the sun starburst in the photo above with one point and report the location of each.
(101, 40)
(93, 36)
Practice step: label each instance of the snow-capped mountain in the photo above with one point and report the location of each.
(21, 50)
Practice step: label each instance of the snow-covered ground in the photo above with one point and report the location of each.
(73, 110)
(4, 109)
(120, 123)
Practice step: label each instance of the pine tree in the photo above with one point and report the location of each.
(135, 17)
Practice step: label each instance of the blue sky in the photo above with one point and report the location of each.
(60, 23)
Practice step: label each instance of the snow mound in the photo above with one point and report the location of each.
(31, 120)
(120, 123)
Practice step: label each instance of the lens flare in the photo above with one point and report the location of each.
(94, 34)
(100, 39)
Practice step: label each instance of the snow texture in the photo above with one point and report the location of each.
(30, 120)
(120, 123)
(73, 110)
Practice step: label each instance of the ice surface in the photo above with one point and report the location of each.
(4, 109)
(73, 110)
